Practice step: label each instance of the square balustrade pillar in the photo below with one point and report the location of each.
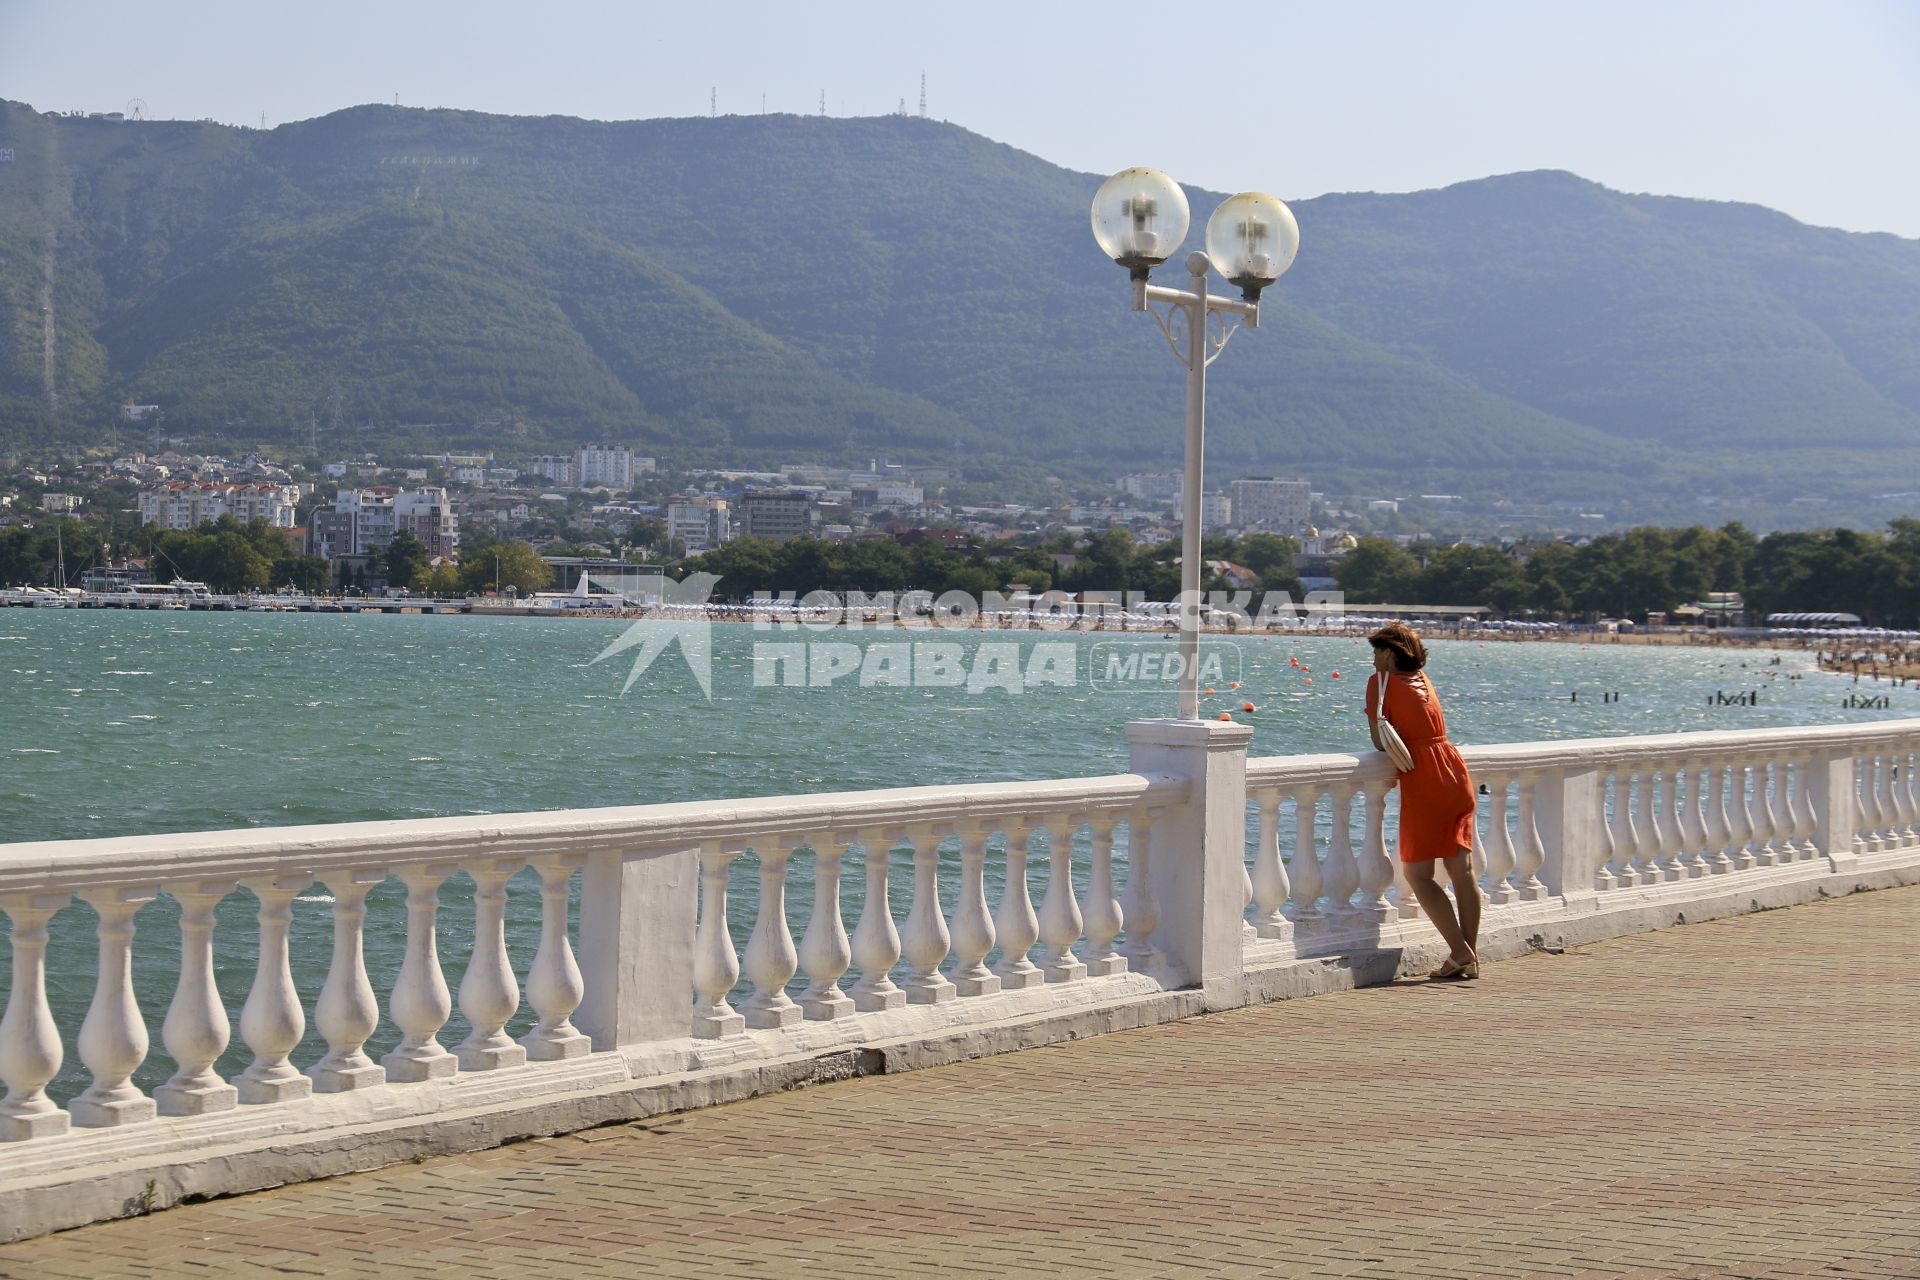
(1830, 790)
(1570, 810)
(637, 918)
(1199, 848)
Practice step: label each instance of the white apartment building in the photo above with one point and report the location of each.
(1272, 504)
(1216, 511)
(365, 520)
(603, 464)
(1155, 487)
(184, 504)
(557, 467)
(699, 524)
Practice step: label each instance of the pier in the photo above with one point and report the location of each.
(1198, 881)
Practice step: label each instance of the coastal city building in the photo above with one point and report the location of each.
(1161, 486)
(612, 466)
(699, 523)
(1271, 505)
(776, 515)
(187, 504)
(362, 521)
(557, 467)
(1216, 511)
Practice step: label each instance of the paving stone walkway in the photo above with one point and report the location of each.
(1740, 1098)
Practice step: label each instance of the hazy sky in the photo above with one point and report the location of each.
(1810, 107)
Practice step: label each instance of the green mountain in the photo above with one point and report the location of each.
(752, 286)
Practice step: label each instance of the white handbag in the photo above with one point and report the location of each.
(1389, 736)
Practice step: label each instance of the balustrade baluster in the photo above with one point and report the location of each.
(554, 985)
(1015, 923)
(876, 943)
(1137, 903)
(30, 1049)
(1530, 853)
(1804, 844)
(1773, 795)
(1909, 794)
(1719, 820)
(1739, 816)
(1500, 853)
(716, 967)
(489, 992)
(420, 1004)
(196, 1030)
(1305, 870)
(1863, 840)
(272, 1021)
(1375, 867)
(1104, 917)
(346, 1012)
(1666, 823)
(1646, 832)
(1605, 876)
(927, 941)
(1885, 832)
(1269, 873)
(1795, 837)
(1060, 921)
(973, 935)
(1689, 796)
(771, 959)
(1342, 869)
(1626, 837)
(1756, 817)
(824, 951)
(113, 1038)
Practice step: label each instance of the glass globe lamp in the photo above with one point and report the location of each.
(1140, 218)
(1252, 239)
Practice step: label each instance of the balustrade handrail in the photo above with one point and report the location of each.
(637, 830)
(1268, 772)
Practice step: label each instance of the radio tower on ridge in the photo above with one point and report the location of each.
(923, 95)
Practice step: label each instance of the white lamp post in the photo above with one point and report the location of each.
(1140, 219)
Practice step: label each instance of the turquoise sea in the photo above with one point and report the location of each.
(115, 723)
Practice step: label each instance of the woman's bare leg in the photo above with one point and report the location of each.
(1434, 901)
(1466, 897)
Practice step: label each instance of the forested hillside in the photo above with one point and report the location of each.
(752, 286)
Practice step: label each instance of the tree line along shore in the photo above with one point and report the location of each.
(1874, 574)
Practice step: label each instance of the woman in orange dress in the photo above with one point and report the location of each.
(1436, 796)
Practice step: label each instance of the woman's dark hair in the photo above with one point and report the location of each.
(1408, 653)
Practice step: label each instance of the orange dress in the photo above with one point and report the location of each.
(1437, 796)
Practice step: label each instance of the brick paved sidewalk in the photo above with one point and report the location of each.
(1739, 1098)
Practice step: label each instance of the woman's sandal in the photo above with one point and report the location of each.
(1454, 971)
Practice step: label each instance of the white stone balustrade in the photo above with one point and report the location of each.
(1173, 888)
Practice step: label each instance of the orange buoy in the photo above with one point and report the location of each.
(1246, 706)
(1225, 716)
(1308, 680)
(1336, 675)
(1209, 691)
(1236, 684)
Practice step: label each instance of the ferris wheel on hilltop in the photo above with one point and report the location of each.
(137, 109)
